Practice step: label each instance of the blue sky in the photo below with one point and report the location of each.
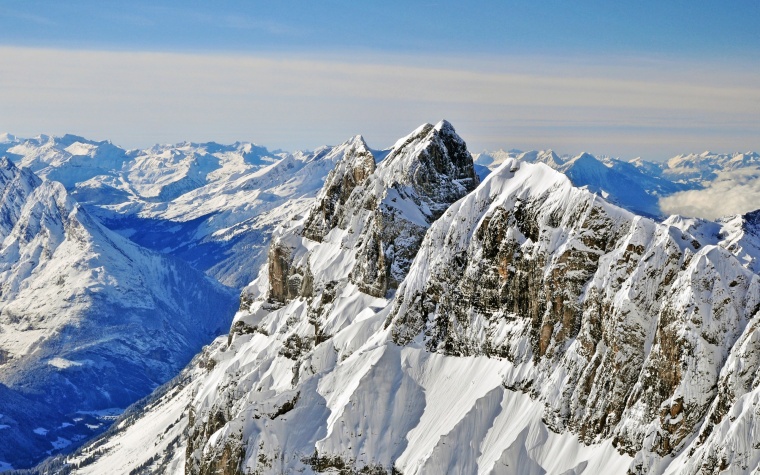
(646, 78)
(696, 29)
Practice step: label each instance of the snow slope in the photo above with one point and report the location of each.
(597, 306)
(89, 320)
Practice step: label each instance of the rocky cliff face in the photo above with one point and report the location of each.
(376, 214)
(528, 326)
(351, 171)
(624, 323)
(355, 245)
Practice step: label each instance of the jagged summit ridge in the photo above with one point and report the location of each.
(357, 164)
(16, 186)
(435, 161)
(376, 214)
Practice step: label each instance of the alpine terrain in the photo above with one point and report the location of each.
(643, 187)
(414, 318)
(213, 206)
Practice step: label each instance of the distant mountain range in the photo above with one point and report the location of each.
(641, 186)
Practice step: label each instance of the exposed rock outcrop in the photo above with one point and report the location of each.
(379, 213)
(621, 318)
(358, 241)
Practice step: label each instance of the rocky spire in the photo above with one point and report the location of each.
(384, 208)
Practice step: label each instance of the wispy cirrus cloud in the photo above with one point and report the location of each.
(26, 17)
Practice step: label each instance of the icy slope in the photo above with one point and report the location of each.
(89, 320)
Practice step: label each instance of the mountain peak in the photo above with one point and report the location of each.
(355, 166)
(550, 158)
(444, 126)
(6, 138)
(435, 162)
(63, 270)
(426, 130)
(357, 142)
(410, 146)
(10, 172)
(584, 156)
(584, 161)
(358, 138)
(386, 207)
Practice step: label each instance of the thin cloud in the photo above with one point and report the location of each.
(138, 98)
(37, 19)
(267, 26)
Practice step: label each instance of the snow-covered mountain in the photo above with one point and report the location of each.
(704, 166)
(224, 227)
(69, 159)
(620, 326)
(636, 186)
(707, 185)
(89, 321)
(408, 323)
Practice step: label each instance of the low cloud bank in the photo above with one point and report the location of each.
(733, 192)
